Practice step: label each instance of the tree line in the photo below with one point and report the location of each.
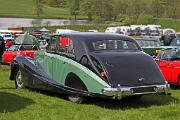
(129, 11)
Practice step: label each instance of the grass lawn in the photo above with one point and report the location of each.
(24, 104)
(168, 23)
(25, 8)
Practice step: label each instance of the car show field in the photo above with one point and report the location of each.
(89, 60)
(27, 104)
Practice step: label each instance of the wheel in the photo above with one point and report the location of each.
(74, 81)
(18, 79)
(76, 99)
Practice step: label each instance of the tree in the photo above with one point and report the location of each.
(36, 22)
(134, 8)
(119, 8)
(172, 10)
(143, 19)
(74, 8)
(87, 9)
(130, 20)
(103, 9)
(157, 8)
(38, 9)
(58, 3)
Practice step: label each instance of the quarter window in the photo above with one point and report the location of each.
(66, 45)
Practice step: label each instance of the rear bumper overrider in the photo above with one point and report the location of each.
(121, 91)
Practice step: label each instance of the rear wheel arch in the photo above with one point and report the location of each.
(72, 80)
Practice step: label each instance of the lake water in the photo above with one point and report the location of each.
(26, 22)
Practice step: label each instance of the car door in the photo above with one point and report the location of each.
(63, 53)
(175, 73)
(46, 59)
(10, 54)
(166, 69)
(167, 64)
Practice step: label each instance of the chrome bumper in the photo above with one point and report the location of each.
(121, 91)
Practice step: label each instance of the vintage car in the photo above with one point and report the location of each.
(150, 46)
(175, 42)
(169, 63)
(90, 64)
(42, 44)
(22, 50)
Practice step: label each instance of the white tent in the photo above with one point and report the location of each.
(44, 30)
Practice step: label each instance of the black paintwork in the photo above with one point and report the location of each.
(35, 78)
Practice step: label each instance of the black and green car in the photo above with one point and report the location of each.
(90, 64)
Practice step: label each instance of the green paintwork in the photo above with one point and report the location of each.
(58, 67)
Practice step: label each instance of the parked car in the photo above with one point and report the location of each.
(169, 63)
(175, 42)
(42, 44)
(2, 46)
(150, 46)
(90, 64)
(22, 50)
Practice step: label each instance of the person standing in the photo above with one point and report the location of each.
(2, 47)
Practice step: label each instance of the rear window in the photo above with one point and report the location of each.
(113, 45)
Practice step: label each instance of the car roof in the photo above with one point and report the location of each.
(96, 36)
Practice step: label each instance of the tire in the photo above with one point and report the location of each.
(18, 79)
(76, 99)
(74, 82)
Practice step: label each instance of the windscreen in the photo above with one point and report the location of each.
(175, 42)
(148, 43)
(22, 47)
(169, 54)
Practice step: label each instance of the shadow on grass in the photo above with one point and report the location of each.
(128, 103)
(11, 102)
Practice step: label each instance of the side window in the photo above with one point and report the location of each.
(66, 45)
(52, 44)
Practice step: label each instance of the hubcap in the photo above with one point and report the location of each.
(19, 81)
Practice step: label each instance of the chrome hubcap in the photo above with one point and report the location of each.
(19, 81)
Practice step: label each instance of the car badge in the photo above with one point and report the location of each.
(141, 79)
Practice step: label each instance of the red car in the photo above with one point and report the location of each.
(169, 63)
(23, 50)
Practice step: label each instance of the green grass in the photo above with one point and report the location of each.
(81, 28)
(25, 8)
(24, 104)
(169, 23)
